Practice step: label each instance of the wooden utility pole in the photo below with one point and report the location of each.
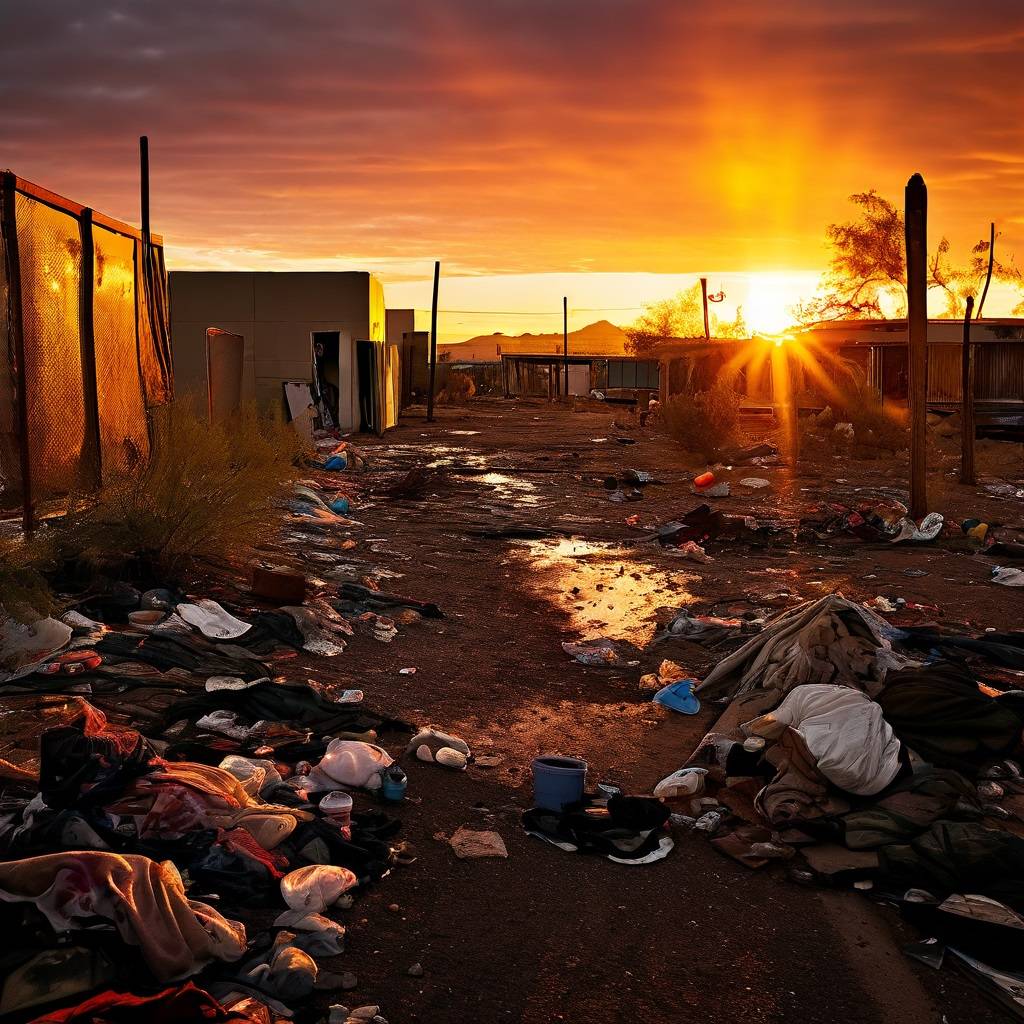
(991, 261)
(433, 344)
(967, 424)
(704, 299)
(565, 341)
(967, 401)
(916, 220)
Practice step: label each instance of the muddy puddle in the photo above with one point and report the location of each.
(511, 491)
(603, 588)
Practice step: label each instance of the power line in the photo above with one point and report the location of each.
(520, 312)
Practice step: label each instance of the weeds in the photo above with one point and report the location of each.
(209, 492)
(24, 593)
(877, 428)
(458, 390)
(703, 422)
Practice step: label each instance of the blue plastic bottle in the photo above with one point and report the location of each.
(393, 783)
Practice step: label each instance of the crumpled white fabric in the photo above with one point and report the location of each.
(784, 656)
(314, 888)
(348, 763)
(24, 648)
(852, 743)
(684, 782)
(212, 620)
(255, 774)
(908, 530)
(320, 935)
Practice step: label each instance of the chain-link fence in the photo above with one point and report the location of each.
(84, 347)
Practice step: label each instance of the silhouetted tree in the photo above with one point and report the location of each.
(866, 277)
(682, 316)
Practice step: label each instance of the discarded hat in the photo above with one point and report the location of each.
(679, 697)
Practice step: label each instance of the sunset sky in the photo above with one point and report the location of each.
(522, 137)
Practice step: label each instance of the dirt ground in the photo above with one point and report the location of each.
(549, 936)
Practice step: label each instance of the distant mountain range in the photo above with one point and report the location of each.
(598, 339)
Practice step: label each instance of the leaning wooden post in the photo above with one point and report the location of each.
(433, 344)
(967, 401)
(916, 220)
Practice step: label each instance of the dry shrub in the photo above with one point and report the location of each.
(458, 389)
(703, 422)
(209, 492)
(24, 593)
(876, 427)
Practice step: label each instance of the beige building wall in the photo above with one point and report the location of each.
(276, 313)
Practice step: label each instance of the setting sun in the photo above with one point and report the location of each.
(767, 304)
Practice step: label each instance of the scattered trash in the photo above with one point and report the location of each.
(393, 784)
(754, 482)
(679, 697)
(686, 782)
(907, 531)
(597, 653)
(668, 672)
(1008, 576)
(439, 747)
(558, 781)
(624, 829)
(690, 550)
(720, 490)
(469, 844)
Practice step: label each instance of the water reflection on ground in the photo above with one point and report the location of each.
(605, 589)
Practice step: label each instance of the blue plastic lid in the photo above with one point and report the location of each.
(679, 697)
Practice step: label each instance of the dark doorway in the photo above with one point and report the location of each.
(327, 377)
(895, 372)
(370, 412)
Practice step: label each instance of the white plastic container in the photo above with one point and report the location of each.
(336, 807)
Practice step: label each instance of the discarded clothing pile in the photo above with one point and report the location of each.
(886, 522)
(702, 524)
(116, 833)
(831, 640)
(709, 629)
(907, 781)
(625, 829)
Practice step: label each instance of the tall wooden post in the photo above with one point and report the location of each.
(144, 196)
(565, 341)
(704, 301)
(433, 344)
(916, 220)
(967, 401)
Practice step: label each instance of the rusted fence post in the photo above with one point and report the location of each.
(967, 401)
(916, 221)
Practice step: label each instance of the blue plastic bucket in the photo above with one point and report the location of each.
(558, 781)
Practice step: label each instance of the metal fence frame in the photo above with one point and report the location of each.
(152, 361)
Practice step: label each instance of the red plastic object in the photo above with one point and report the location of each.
(704, 480)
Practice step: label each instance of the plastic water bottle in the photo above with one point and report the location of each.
(393, 783)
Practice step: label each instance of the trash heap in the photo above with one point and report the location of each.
(876, 757)
(169, 771)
